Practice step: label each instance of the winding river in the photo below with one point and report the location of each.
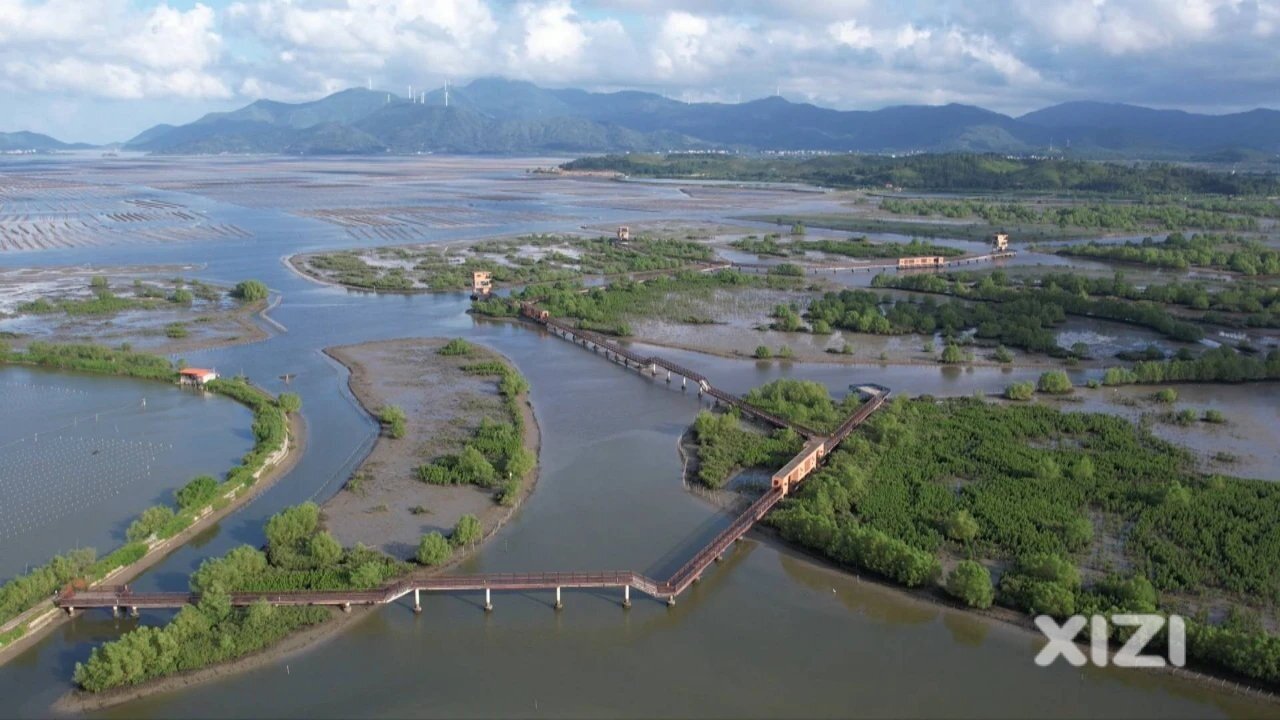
(766, 633)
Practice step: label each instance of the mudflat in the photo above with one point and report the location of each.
(386, 506)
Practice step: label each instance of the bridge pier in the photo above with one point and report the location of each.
(684, 381)
(559, 605)
(488, 603)
(671, 601)
(417, 602)
(626, 596)
(346, 607)
(115, 611)
(668, 377)
(133, 611)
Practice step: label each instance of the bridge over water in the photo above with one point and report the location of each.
(816, 447)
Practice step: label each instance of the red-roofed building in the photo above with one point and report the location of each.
(196, 376)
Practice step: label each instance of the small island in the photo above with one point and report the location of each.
(456, 453)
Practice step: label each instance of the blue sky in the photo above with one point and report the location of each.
(102, 70)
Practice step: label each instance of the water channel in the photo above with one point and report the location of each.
(767, 633)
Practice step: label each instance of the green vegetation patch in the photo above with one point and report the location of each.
(1033, 480)
(725, 447)
(528, 260)
(495, 456)
(606, 309)
(803, 401)
(299, 556)
(1220, 252)
(942, 172)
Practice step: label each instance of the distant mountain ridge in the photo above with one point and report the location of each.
(34, 142)
(494, 115)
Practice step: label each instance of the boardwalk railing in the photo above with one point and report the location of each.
(117, 597)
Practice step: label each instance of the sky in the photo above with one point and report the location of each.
(104, 70)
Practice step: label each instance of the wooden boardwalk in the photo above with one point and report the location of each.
(818, 446)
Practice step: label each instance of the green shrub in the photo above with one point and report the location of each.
(466, 532)
(196, 494)
(456, 346)
(1054, 382)
(763, 352)
(150, 522)
(289, 402)
(961, 526)
(393, 420)
(952, 354)
(970, 583)
(433, 549)
(250, 291)
(1020, 391)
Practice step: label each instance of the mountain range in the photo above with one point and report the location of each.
(503, 116)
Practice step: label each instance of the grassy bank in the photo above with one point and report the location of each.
(299, 556)
(198, 498)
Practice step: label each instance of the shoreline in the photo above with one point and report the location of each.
(52, 617)
(79, 701)
(935, 594)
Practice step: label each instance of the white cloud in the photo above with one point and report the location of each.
(1010, 55)
(109, 49)
(551, 33)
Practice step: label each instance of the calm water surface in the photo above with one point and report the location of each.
(767, 633)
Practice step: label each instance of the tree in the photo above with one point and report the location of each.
(196, 493)
(1167, 396)
(325, 548)
(952, 354)
(763, 352)
(786, 353)
(292, 525)
(970, 582)
(250, 290)
(961, 526)
(289, 402)
(182, 297)
(1003, 355)
(1019, 391)
(1080, 349)
(367, 575)
(1054, 382)
(150, 522)
(466, 532)
(473, 468)
(797, 228)
(98, 282)
(433, 549)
